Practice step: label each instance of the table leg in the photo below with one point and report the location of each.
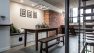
(25, 38)
(63, 40)
(36, 39)
(46, 47)
(47, 34)
(56, 31)
(41, 46)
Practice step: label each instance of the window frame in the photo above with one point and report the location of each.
(81, 12)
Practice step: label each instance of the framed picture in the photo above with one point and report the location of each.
(29, 13)
(34, 14)
(23, 12)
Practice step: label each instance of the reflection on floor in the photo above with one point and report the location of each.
(55, 49)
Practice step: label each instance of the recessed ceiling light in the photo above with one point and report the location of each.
(21, 1)
(33, 5)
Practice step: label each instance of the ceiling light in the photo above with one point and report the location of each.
(41, 7)
(33, 5)
(21, 1)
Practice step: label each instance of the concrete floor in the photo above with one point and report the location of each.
(55, 49)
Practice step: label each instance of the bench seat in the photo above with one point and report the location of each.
(46, 40)
(51, 38)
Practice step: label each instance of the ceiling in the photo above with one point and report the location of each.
(61, 3)
(35, 3)
(56, 5)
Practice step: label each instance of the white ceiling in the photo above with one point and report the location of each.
(61, 3)
(56, 5)
(38, 2)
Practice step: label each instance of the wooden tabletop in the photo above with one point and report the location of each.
(41, 29)
(37, 30)
(5, 24)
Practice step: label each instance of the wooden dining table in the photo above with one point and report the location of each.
(36, 31)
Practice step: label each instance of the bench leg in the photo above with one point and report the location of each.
(46, 47)
(41, 44)
(63, 40)
(58, 40)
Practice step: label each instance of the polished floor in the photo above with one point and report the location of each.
(55, 49)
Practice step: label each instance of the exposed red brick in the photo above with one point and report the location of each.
(53, 19)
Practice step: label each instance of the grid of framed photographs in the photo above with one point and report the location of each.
(28, 13)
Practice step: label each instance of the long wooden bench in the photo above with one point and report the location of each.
(46, 40)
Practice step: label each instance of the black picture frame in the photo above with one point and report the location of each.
(29, 13)
(34, 14)
(22, 12)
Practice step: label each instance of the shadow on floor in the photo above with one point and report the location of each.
(55, 49)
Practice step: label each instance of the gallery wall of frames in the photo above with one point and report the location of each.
(28, 13)
(24, 16)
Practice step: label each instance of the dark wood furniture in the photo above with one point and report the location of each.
(47, 40)
(5, 24)
(17, 34)
(36, 33)
(71, 29)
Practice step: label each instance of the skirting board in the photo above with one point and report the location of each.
(4, 49)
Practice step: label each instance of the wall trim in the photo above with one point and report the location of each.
(4, 49)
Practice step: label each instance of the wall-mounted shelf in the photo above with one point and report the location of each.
(89, 26)
(84, 0)
(89, 14)
(88, 6)
(88, 29)
(90, 33)
(89, 20)
(5, 24)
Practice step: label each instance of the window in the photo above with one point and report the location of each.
(81, 19)
(74, 15)
(81, 12)
(88, 18)
(75, 12)
(74, 20)
(88, 10)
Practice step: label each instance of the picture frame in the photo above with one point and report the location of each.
(22, 12)
(29, 13)
(34, 14)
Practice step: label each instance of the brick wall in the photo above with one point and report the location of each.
(53, 19)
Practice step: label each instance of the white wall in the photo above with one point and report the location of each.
(30, 39)
(24, 22)
(4, 30)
